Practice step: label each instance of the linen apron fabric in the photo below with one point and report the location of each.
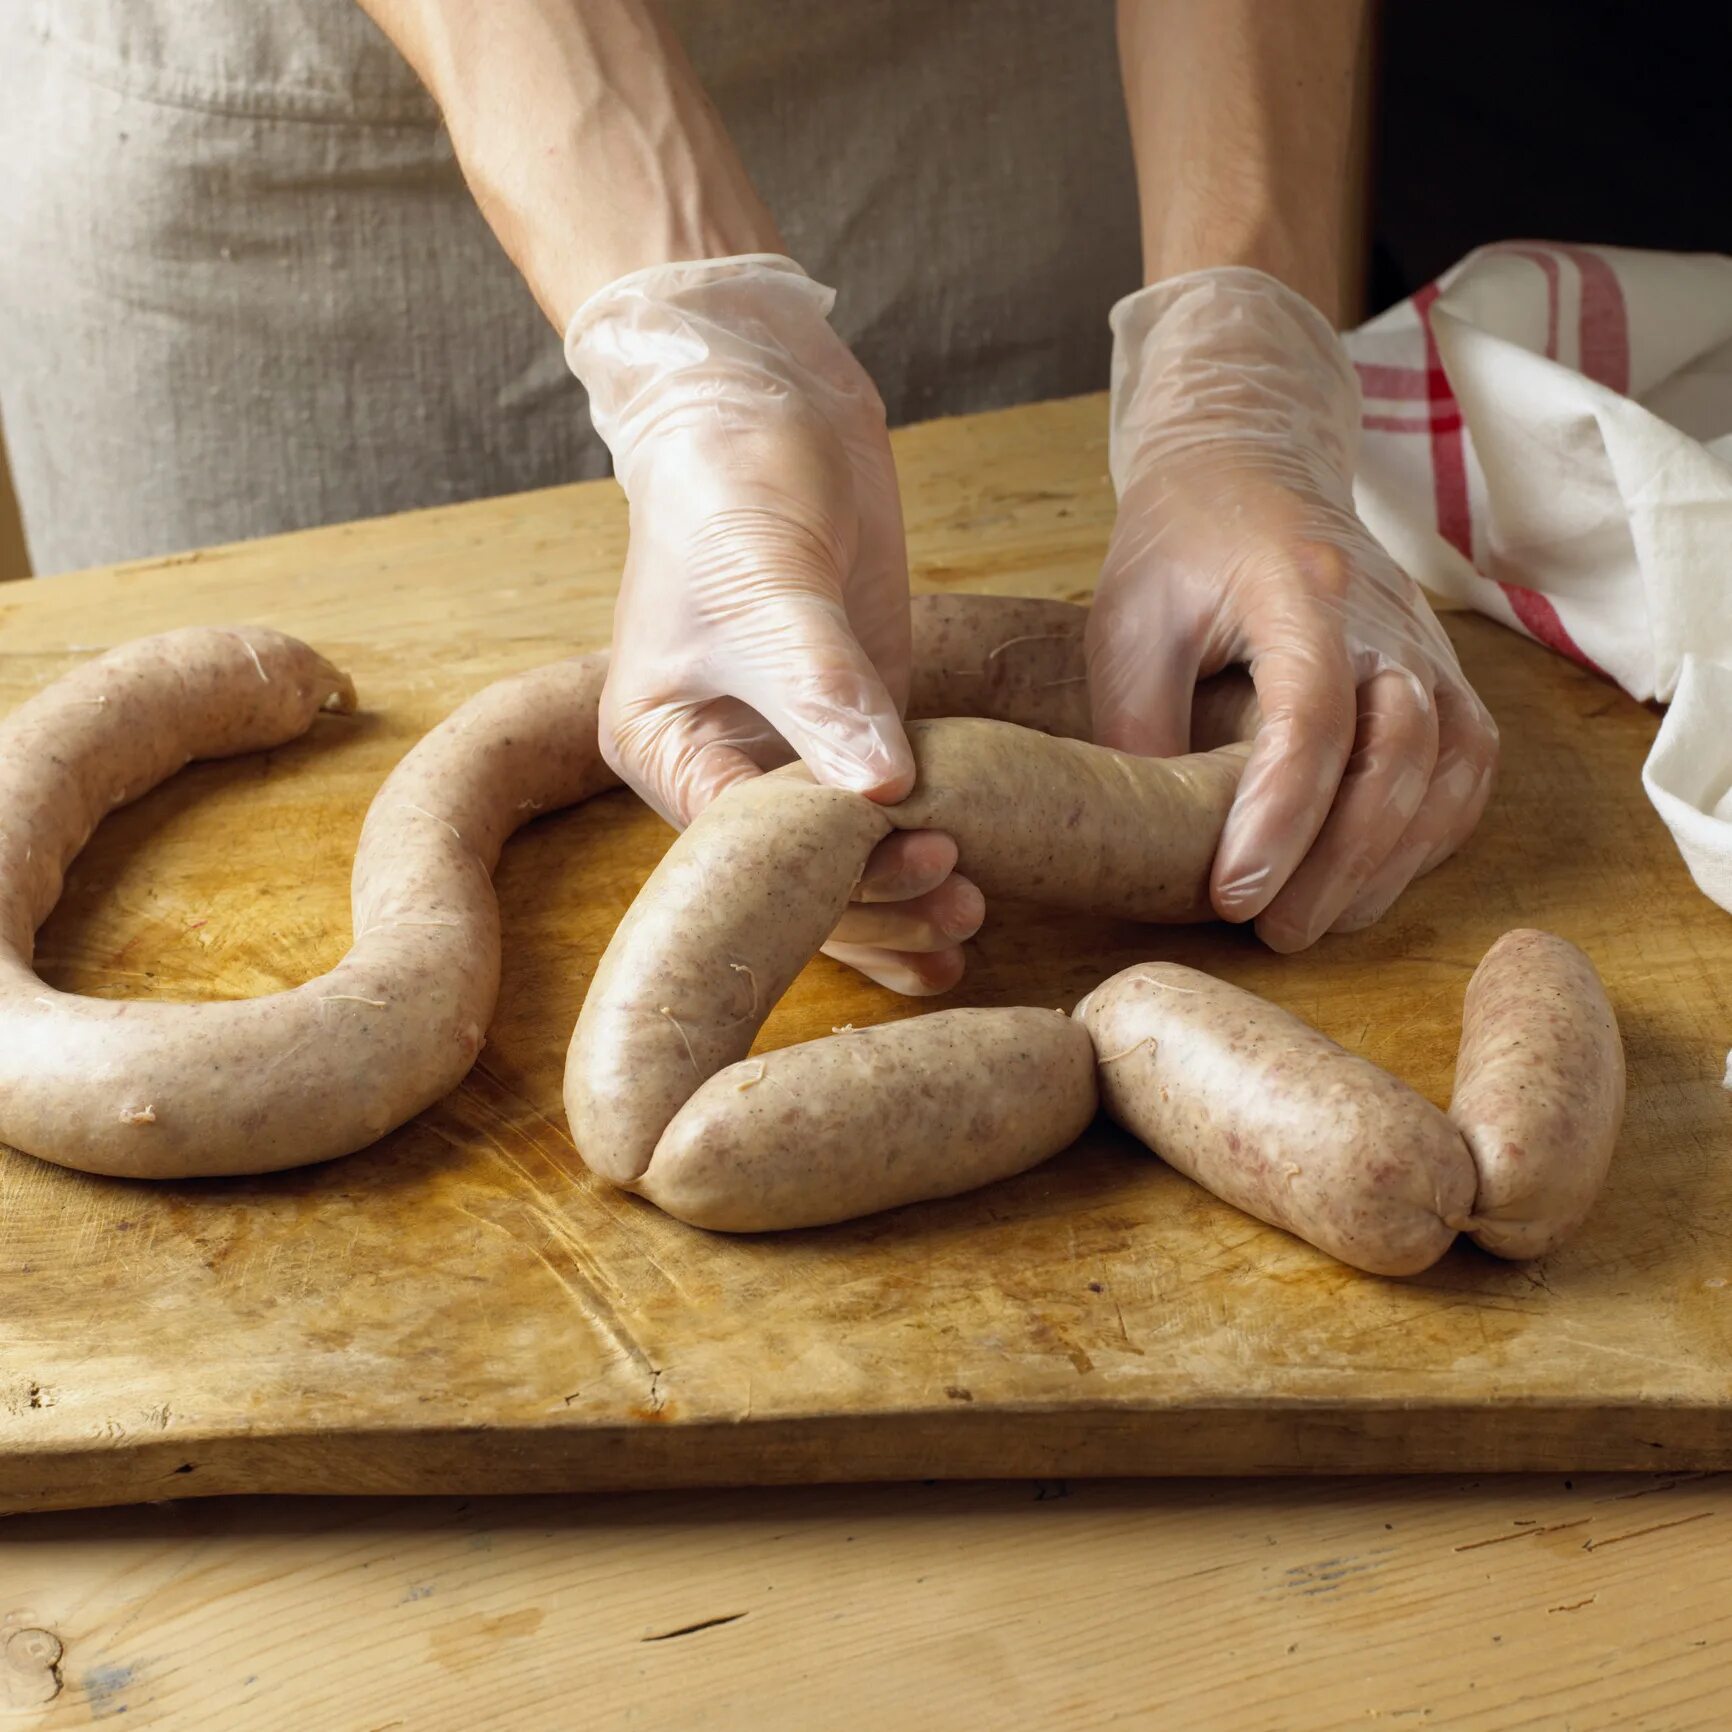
(243, 288)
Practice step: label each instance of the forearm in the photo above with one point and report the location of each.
(585, 136)
(1242, 117)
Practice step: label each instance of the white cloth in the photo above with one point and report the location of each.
(1547, 438)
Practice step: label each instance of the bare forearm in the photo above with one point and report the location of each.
(1242, 119)
(585, 136)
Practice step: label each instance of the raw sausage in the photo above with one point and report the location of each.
(734, 910)
(1007, 658)
(1020, 659)
(172, 1090)
(1277, 1119)
(745, 896)
(1539, 1091)
(159, 1090)
(874, 1118)
(1070, 825)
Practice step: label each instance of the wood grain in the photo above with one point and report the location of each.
(1601, 1605)
(463, 1309)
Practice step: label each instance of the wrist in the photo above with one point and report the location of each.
(1230, 355)
(1253, 234)
(745, 332)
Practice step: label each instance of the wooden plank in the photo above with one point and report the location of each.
(1600, 1605)
(463, 1309)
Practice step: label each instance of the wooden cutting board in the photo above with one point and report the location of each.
(461, 1308)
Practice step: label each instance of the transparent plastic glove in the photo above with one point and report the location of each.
(1235, 416)
(764, 602)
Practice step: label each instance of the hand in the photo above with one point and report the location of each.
(1234, 425)
(764, 603)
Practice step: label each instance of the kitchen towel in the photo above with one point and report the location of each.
(1547, 438)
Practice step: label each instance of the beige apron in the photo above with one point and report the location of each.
(243, 290)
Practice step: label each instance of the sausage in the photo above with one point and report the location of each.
(1275, 1118)
(175, 1090)
(745, 896)
(1539, 1091)
(734, 910)
(1070, 825)
(1020, 659)
(1006, 658)
(874, 1118)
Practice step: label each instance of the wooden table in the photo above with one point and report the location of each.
(1588, 1602)
(1594, 1604)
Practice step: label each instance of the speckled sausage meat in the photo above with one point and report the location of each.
(169, 1090)
(1277, 1119)
(740, 903)
(1539, 1091)
(746, 895)
(1072, 825)
(873, 1118)
(1020, 659)
(733, 911)
(1008, 658)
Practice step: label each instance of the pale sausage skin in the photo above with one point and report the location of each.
(1071, 825)
(1275, 1118)
(746, 895)
(1008, 658)
(160, 1090)
(873, 1118)
(735, 909)
(1020, 659)
(1539, 1091)
(172, 1090)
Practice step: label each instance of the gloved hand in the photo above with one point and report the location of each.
(764, 603)
(1235, 417)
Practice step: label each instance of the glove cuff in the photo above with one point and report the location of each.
(1226, 353)
(751, 321)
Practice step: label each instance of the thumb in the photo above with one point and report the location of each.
(678, 757)
(814, 683)
(1306, 692)
(1141, 682)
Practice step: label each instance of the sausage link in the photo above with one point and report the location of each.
(175, 1090)
(1539, 1091)
(1006, 658)
(735, 909)
(874, 1118)
(1278, 1120)
(1020, 659)
(746, 895)
(1070, 825)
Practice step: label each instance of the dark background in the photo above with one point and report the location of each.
(1540, 120)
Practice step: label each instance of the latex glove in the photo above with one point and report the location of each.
(764, 603)
(1235, 417)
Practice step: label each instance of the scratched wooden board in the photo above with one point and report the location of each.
(462, 1308)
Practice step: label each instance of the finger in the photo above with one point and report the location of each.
(914, 974)
(1394, 753)
(1480, 747)
(1140, 684)
(679, 757)
(1305, 689)
(938, 920)
(1467, 752)
(808, 676)
(906, 863)
(875, 589)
